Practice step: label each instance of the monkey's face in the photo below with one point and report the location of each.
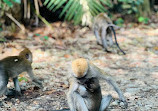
(82, 80)
(26, 53)
(91, 84)
(79, 67)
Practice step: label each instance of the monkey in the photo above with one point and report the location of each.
(11, 67)
(91, 84)
(87, 96)
(84, 92)
(103, 28)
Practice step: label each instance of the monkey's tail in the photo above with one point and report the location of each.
(116, 40)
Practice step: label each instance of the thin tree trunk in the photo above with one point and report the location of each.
(144, 9)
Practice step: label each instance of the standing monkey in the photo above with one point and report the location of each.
(103, 28)
(11, 67)
(84, 92)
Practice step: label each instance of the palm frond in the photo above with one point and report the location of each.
(67, 6)
(54, 4)
(77, 19)
(74, 9)
(59, 5)
(107, 2)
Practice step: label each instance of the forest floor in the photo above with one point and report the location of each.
(136, 72)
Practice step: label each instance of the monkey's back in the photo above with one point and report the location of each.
(101, 20)
(14, 65)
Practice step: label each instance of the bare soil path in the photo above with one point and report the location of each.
(136, 72)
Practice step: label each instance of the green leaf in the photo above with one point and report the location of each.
(54, 4)
(98, 6)
(119, 22)
(17, 1)
(50, 3)
(79, 14)
(74, 11)
(135, 9)
(71, 9)
(126, 6)
(92, 12)
(146, 20)
(45, 2)
(59, 5)
(129, 11)
(37, 34)
(22, 78)
(143, 20)
(78, 11)
(140, 19)
(92, 8)
(2, 39)
(8, 3)
(66, 8)
(122, 0)
(107, 2)
(46, 37)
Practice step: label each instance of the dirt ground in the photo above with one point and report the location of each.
(136, 72)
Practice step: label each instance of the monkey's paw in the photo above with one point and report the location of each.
(12, 92)
(38, 83)
(107, 50)
(123, 103)
(17, 93)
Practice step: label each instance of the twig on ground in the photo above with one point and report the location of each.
(16, 22)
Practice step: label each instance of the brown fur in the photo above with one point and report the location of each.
(26, 54)
(79, 67)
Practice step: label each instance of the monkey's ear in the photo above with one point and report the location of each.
(26, 54)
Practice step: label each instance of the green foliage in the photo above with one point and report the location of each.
(43, 38)
(74, 9)
(17, 1)
(22, 79)
(119, 22)
(46, 37)
(2, 39)
(1, 27)
(130, 6)
(143, 20)
(9, 3)
(37, 34)
(108, 3)
(6, 5)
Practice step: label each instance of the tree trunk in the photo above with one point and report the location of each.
(144, 9)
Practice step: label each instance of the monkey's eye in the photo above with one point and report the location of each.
(27, 56)
(15, 60)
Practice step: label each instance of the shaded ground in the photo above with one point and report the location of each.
(136, 72)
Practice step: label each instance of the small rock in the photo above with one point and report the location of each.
(13, 109)
(121, 104)
(148, 107)
(115, 103)
(133, 90)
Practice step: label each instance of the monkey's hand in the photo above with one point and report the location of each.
(124, 103)
(38, 83)
(107, 50)
(12, 92)
(17, 93)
